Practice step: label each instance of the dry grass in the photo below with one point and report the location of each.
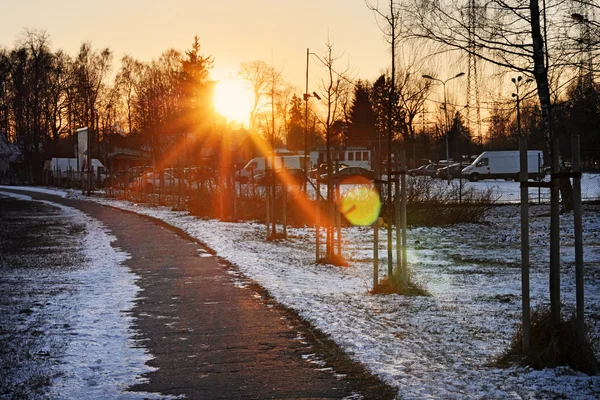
(552, 346)
(389, 286)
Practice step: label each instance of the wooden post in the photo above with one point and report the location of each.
(524, 243)
(235, 193)
(338, 219)
(376, 254)
(399, 273)
(555, 236)
(389, 218)
(403, 199)
(273, 188)
(284, 201)
(579, 271)
(317, 222)
(540, 177)
(268, 198)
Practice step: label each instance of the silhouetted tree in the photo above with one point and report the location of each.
(362, 118)
(295, 133)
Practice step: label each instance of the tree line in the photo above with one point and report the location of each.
(46, 95)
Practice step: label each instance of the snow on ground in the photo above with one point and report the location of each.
(432, 347)
(510, 192)
(92, 304)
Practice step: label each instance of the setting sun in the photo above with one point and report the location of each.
(232, 100)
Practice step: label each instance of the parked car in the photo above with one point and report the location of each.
(350, 175)
(257, 166)
(199, 173)
(450, 172)
(151, 181)
(291, 176)
(321, 169)
(424, 170)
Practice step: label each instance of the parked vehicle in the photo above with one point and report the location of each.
(349, 175)
(291, 177)
(322, 169)
(423, 170)
(257, 166)
(151, 181)
(352, 156)
(504, 165)
(67, 170)
(450, 172)
(199, 173)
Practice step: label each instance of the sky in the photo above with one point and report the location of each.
(231, 31)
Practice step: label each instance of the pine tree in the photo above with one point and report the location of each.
(295, 134)
(197, 87)
(361, 131)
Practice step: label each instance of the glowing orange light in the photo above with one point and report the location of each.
(360, 205)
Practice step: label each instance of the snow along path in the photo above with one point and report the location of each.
(101, 360)
(428, 347)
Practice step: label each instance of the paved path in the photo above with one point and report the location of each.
(211, 338)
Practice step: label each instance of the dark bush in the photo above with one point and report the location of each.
(552, 346)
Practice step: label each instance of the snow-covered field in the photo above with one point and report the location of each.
(510, 192)
(437, 347)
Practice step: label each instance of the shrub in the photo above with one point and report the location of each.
(430, 202)
(552, 346)
(389, 286)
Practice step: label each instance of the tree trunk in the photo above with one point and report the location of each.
(541, 76)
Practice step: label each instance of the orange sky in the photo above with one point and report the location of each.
(232, 31)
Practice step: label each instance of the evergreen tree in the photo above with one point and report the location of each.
(197, 87)
(295, 134)
(379, 100)
(361, 131)
(459, 138)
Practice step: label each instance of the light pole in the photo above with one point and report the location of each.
(306, 97)
(443, 82)
(516, 95)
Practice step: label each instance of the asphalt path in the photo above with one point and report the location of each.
(215, 334)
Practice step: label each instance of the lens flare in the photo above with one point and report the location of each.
(360, 205)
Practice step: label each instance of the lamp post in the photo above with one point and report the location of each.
(443, 82)
(306, 97)
(516, 95)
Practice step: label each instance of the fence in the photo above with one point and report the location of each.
(216, 194)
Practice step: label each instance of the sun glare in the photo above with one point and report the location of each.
(232, 100)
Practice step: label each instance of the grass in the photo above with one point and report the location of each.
(552, 346)
(389, 286)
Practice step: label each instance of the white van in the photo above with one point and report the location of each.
(61, 168)
(257, 166)
(504, 165)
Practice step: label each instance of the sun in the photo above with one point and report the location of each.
(232, 100)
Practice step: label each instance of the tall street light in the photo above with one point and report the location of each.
(306, 97)
(517, 82)
(443, 82)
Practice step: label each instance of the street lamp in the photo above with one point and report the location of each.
(443, 82)
(517, 83)
(306, 97)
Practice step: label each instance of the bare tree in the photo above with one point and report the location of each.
(56, 107)
(390, 26)
(258, 75)
(412, 94)
(522, 37)
(128, 81)
(333, 89)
